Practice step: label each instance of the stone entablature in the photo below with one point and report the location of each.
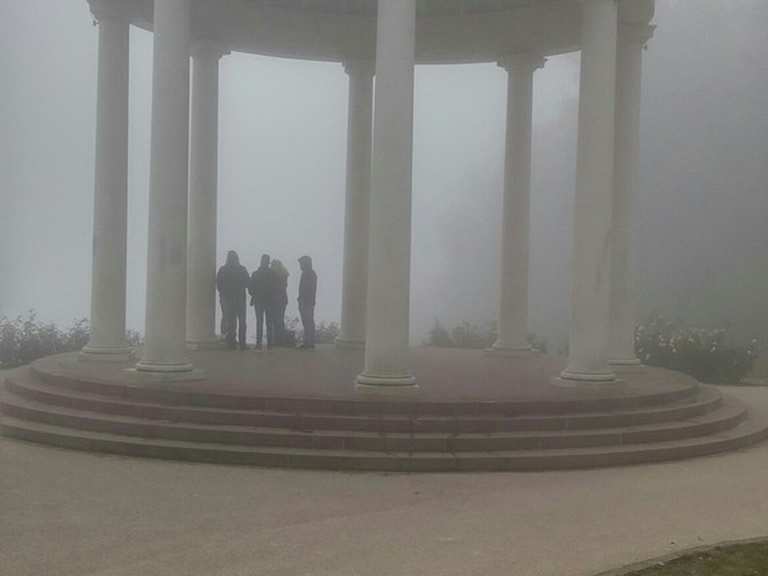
(447, 31)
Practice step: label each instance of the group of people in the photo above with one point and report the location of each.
(268, 289)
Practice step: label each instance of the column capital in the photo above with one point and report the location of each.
(110, 10)
(360, 67)
(632, 33)
(637, 11)
(208, 48)
(521, 61)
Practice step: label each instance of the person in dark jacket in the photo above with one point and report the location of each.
(279, 300)
(232, 283)
(262, 288)
(307, 293)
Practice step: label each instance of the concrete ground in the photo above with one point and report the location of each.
(69, 513)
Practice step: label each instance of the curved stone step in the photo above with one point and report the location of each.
(746, 433)
(728, 416)
(26, 386)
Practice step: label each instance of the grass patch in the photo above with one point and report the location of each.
(731, 560)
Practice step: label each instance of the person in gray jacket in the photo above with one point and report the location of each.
(232, 283)
(262, 289)
(279, 300)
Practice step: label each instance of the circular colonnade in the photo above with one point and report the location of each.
(506, 409)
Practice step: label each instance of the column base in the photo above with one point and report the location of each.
(164, 367)
(386, 385)
(95, 353)
(194, 375)
(577, 376)
(350, 344)
(502, 351)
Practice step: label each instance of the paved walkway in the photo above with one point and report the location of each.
(68, 513)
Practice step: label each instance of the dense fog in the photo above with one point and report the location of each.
(700, 234)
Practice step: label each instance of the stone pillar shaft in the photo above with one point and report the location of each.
(515, 227)
(593, 205)
(108, 285)
(632, 38)
(164, 345)
(388, 303)
(359, 134)
(203, 181)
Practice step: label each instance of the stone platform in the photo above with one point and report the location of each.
(300, 409)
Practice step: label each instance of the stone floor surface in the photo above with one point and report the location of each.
(443, 375)
(68, 513)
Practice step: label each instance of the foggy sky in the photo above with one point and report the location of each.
(700, 235)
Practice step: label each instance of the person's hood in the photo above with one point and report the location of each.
(306, 261)
(232, 258)
(279, 269)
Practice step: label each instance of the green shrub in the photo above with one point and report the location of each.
(325, 332)
(134, 338)
(467, 335)
(707, 355)
(472, 336)
(439, 336)
(26, 338)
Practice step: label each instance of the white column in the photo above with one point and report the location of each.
(514, 251)
(108, 276)
(593, 204)
(632, 39)
(359, 133)
(164, 343)
(203, 180)
(389, 255)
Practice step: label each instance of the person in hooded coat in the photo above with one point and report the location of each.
(279, 299)
(232, 283)
(307, 294)
(262, 288)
